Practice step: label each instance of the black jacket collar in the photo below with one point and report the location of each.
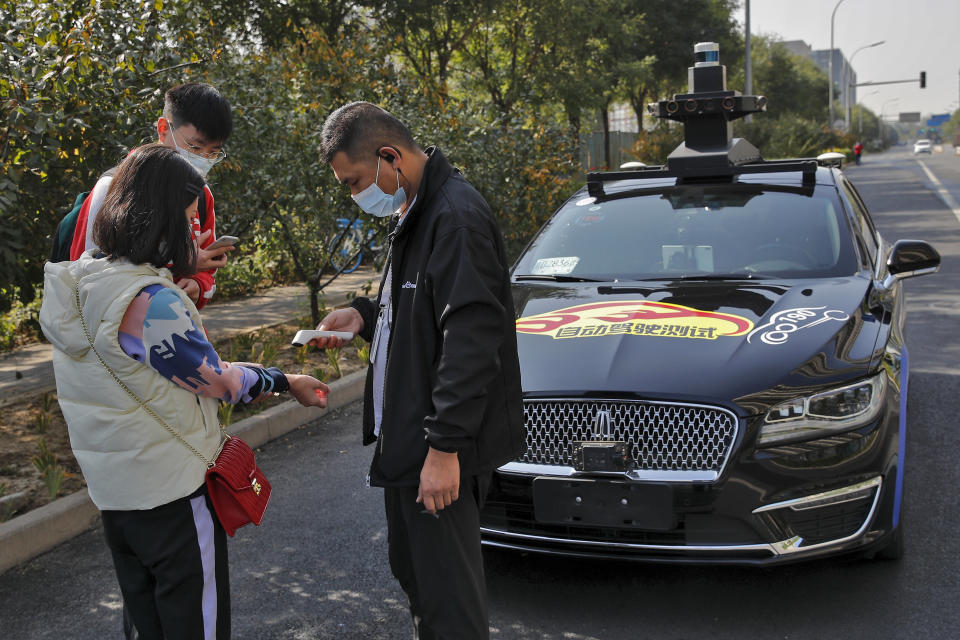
(435, 173)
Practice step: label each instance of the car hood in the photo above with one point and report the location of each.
(702, 341)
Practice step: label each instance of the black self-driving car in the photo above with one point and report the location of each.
(713, 359)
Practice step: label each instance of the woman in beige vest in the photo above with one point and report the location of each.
(169, 549)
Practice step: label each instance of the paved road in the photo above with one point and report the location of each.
(905, 203)
(316, 567)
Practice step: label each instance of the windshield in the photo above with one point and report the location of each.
(695, 231)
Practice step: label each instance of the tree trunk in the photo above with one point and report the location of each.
(636, 102)
(314, 302)
(573, 118)
(605, 116)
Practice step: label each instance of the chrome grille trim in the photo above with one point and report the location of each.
(530, 469)
(668, 440)
(772, 549)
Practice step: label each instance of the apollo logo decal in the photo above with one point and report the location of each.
(634, 317)
(784, 323)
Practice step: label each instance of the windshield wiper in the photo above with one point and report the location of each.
(555, 278)
(723, 276)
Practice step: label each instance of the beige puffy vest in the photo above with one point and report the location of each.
(128, 459)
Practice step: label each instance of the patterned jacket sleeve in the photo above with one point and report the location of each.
(157, 330)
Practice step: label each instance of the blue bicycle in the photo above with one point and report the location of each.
(358, 242)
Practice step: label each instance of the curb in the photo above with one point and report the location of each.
(35, 532)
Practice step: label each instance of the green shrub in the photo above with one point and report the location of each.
(225, 412)
(50, 470)
(7, 511)
(333, 357)
(21, 322)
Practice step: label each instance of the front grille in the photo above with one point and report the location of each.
(661, 436)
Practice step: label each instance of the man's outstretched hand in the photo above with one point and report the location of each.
(348, 320)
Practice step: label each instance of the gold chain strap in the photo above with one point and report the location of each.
(143, 405)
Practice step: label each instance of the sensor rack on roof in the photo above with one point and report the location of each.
(595, 180)
(709, 148)
(687, 106)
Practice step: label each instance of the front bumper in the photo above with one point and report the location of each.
(833, 521)
(772, 505)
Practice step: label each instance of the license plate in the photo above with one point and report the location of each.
(601, 456)
(606, 503)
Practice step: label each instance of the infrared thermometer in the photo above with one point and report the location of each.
(306, 335)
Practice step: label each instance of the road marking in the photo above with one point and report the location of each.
(948, 199)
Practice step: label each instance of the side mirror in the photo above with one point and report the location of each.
(910, 258)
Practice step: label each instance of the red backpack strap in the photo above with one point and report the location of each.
(80, 230)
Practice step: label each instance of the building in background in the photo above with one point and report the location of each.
(844, 77)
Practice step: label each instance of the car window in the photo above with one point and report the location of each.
(867, 234)
(695, 229)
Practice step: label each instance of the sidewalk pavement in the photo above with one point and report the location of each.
(29, 370)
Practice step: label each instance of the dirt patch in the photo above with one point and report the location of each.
(37, 422)
(23, 425)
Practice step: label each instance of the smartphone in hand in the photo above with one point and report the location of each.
(223, 241)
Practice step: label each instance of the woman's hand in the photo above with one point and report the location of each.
(191, 287)
(308, 391)
(348, 319)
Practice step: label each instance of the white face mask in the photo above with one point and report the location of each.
(201, 164)
(374, 201)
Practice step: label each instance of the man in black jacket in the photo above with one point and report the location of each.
(442, 400)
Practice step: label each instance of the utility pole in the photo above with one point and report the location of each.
(748, 67)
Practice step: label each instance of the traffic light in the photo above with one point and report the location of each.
(923, 79)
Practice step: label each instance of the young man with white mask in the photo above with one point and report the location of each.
(196, 122)
(443, 399)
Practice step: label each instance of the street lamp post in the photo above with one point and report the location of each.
(880, 121)
(830, 62)
(849, 85)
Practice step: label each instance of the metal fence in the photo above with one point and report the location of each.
(591, 149)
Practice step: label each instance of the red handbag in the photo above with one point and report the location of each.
(238, 489)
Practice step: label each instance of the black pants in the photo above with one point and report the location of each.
(438, 563)
(171, 563)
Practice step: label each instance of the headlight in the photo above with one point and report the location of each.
(828, 412)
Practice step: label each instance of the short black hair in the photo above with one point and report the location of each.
(143, 216)
(202, 106)
(359, 129)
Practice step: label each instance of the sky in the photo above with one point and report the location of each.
(919, 35)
